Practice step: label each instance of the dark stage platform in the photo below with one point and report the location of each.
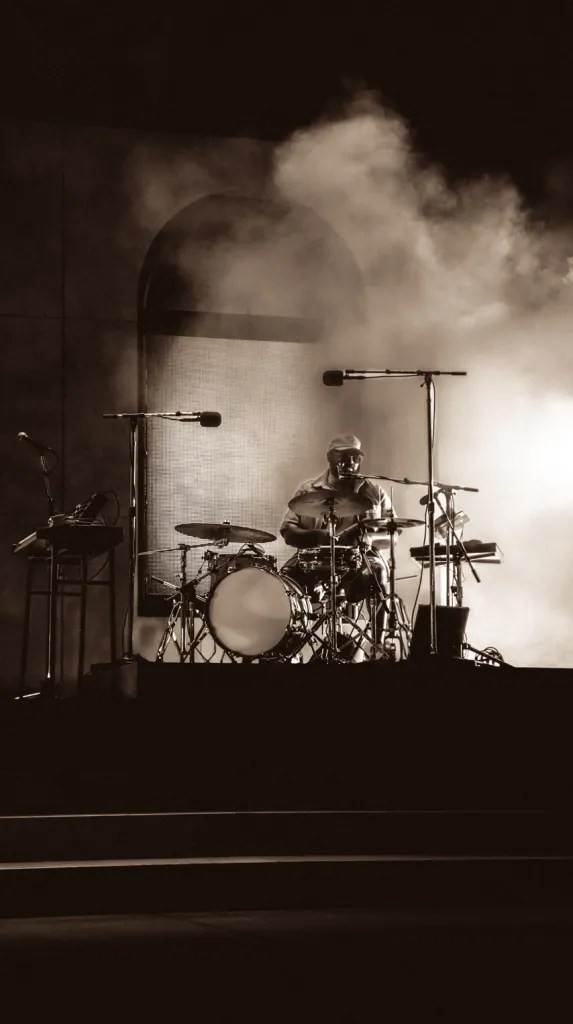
(321, 835)
(437, 736)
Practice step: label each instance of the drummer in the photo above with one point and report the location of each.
(344, 455)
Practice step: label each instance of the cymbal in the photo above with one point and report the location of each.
(390, 523)
(225, 531)
(320, 500)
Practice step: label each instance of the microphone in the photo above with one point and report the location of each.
(209, 419)
(22, 436)
(204, 419)
(333, 378)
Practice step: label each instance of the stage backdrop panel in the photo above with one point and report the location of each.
(276, 421)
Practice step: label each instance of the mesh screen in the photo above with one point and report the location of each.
(276, 420)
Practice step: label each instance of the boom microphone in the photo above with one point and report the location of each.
(210, 419)
(22, 436)
(333, 378)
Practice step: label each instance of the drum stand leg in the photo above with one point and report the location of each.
(322, 645)
(391, 642)
(169, 631)
(332, 646)
(187, 633)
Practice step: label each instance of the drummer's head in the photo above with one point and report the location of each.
(344, 455)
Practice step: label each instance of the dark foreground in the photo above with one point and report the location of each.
(291, 843)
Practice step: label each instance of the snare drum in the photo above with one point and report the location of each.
(317, 560)
(252, 611)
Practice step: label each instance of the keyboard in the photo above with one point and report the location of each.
(73, 538)
(479, 551)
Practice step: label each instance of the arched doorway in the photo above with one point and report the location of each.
(238, 301)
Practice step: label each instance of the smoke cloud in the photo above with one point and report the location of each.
(455, 276)
(460, 277)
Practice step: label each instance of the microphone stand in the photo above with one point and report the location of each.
(47, 485)
(428, 383)
(135, 419)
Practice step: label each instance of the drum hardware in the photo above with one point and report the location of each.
(489, 656)
(394, 634)
(388, 638)
(319, 631)
(164, 583)
(322, 501)
(161, 551)
(185, 606)
(225, 532)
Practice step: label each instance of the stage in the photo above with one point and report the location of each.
(302, 838)
(438, 734)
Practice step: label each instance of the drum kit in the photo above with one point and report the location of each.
(334, 602)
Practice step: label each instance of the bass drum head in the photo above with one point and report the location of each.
(250, 611)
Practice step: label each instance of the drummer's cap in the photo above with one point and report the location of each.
(345, 443)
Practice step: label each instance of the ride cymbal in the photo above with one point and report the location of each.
(225, 531)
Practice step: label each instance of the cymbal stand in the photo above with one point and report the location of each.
(186, 652)
(184, 620)
(332, 648)
(396, 628)
(182, 608)
(392, 629)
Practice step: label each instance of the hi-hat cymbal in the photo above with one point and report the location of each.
(321, 500)
(390, 523)
(225, 531)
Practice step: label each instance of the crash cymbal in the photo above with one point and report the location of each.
(225, 531)
(320, 500)
(390, 523)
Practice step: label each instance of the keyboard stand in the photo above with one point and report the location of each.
(65, 574)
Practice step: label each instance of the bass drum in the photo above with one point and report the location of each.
(254, 612)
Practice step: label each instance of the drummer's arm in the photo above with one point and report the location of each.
(385, 503)
(387, 506)
(300, 537)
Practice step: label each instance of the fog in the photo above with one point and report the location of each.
(455, 276)
(460, 277)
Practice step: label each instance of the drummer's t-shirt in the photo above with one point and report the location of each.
(367, 487)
